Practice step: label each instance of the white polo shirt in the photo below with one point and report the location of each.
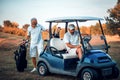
(35, 33)
(72, 39)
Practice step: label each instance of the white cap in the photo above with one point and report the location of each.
(71, 26)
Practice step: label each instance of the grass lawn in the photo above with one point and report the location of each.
(8, 44)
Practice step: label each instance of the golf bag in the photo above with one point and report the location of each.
(20, 58)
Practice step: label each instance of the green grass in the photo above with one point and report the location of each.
(8, 68)
(115, 51)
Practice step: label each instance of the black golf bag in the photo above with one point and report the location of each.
(20, 58)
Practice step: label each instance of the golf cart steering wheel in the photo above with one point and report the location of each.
(86, 40)
(55, 52)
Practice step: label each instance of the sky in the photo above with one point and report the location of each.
(21, 11)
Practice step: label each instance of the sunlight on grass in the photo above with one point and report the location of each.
(115, 52)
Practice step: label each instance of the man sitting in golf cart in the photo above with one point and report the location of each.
(72, 41)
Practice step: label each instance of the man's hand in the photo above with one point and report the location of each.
(73, 46)
(24, 42)
(78, 46)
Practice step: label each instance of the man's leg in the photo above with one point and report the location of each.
(34, 62)
(33, 56)
(79, 52)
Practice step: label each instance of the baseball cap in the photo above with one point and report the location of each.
(71, 26)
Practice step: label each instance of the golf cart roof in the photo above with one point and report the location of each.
(73, 19)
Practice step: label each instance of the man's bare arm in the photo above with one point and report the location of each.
(72, 46)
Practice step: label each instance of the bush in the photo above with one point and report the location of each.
(14, 30)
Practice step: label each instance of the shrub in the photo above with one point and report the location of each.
(14, 30)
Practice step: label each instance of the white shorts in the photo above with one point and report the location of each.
(72, 51)
(34, 48)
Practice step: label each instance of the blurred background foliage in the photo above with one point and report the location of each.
(111, 27)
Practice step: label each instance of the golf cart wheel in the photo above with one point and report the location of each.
(42, 69)
(89, 74)
(115, 73)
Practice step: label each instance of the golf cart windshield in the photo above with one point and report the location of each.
(93, 38)
(89, 28)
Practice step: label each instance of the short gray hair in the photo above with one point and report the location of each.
(33, 19)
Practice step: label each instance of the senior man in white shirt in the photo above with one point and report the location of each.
(36, 41)
(72, 41)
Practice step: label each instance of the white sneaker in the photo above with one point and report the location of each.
(34, 69)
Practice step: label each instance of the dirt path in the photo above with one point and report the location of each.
(8, 44)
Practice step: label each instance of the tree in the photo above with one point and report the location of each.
(113, 21)
(25, 26)
(95, 29)
(54, 28)
(118, 1)
(85, 30)
(15, 24)
(7, 23)
(1, 28)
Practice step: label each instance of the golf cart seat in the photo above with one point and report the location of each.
(60, 46)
